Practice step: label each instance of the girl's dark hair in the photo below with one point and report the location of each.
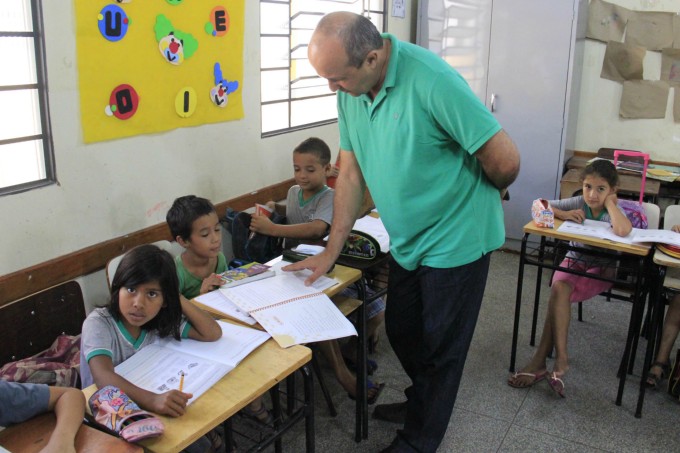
(144, 264)
(604, 169)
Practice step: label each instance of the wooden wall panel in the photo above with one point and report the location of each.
(93, 258)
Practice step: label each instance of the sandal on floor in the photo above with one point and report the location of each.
(556, 384)
(370, 386)
(371, 365)
(654, 379)
(537, 377)
(262, 415)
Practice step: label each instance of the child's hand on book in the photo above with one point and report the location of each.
(172, 403)
(211, 282)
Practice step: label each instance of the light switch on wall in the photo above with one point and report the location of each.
(398, 8)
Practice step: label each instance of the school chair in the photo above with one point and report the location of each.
(652, 212)
(671, 284)
(172, 247)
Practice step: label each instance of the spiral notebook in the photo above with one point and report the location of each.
(291, 312)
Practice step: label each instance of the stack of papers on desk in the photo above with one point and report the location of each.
(596, 229)
(290, 311)
(660, 236)
(603, 230)
(158, 366)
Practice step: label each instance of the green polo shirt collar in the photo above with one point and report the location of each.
(135, 343)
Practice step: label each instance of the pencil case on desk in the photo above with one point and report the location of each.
(115, 410)
(542, 213)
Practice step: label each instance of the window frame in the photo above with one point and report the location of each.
(38, 37)
(290, 99)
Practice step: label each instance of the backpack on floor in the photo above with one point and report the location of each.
(251, 246)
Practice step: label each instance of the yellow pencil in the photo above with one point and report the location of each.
(181, 380)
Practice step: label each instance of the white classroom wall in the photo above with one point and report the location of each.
(112, 188)
(599, 124)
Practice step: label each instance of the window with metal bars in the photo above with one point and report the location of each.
(293, 97)
(26, 158)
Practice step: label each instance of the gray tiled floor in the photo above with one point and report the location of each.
(490, 416)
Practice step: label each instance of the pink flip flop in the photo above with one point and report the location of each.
(556, 384)
(538, 377)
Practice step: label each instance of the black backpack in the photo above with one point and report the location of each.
(251, 246)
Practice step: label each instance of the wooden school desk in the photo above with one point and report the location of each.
(362, 266)
(631, 258)
(263, 369)
(347, 276)
(661, 262)
(32, 435)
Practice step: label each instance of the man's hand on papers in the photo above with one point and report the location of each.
(318, 264)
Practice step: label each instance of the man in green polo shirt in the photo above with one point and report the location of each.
(436, 162)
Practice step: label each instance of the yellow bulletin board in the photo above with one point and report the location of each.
(150, 66)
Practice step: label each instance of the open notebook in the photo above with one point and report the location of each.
(603, 230)
(290, 311)
(158, 367)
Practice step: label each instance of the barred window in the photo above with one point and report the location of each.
(26, 159)
(292, 95)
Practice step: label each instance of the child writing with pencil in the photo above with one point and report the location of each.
(145, 305)
(309, 213)
(194, 224)
(598, 202)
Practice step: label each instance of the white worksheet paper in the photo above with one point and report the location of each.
(157, 367)
(290, 311)
(661, 236)
(220, 302)
(596, 229)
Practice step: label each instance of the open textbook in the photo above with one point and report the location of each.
(220, 303)
(158, 367)
(290, 311)
(603, 230)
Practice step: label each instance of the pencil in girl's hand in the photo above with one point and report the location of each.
(181, 380)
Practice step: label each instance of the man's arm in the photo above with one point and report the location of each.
(500, 160)
(69, 406)
(349, 193)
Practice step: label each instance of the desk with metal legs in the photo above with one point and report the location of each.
(262, 370)
(362, 267)
(631, 258)
(661, 262)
